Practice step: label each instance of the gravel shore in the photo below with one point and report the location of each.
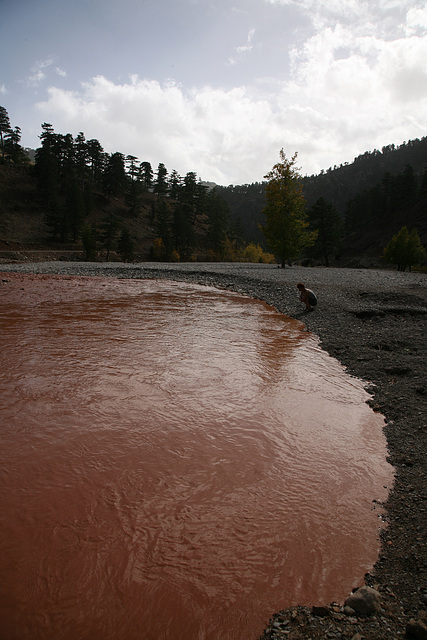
(374, 322)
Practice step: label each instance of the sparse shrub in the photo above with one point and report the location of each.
(229, 251)
(254, 253)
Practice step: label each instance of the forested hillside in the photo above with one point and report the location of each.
(71, 194)
(373, 197)
(340, 183)
(75, 196)
(246, 203)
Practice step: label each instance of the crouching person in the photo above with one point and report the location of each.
(307, 296)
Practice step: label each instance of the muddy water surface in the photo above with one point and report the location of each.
(176, 462)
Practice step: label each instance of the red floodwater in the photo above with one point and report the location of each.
(176, 462)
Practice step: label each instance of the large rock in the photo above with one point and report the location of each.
(365, 601)
(417, 629)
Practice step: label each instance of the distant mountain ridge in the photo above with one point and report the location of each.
(340, 183)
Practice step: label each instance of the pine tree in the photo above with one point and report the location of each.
(81, 159)
(218, 222)
(114, 178)
(325, 219)
(47, 171)
(89, 238)
(108, 232)
(164, 229)
(146, 173)
(74, 209)
(13, 148)
(132, 167)
(125, 246)
(286, 221)
(4, 127)
(160, 184)
(96, 159)
(174, 185)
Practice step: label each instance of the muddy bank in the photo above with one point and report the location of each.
(374, 323)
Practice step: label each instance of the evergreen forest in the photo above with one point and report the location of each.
(70, 196)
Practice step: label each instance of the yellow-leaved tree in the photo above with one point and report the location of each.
(286, 228)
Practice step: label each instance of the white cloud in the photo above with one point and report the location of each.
(371, 70)
(350, 90)
(384, 18)
(214, 132)
(416, 19)
(3, 89)
(233, 136)
(242, 50)
(373, 95)
(249, 43)
(38, 72)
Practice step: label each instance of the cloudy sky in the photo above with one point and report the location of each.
(218, 86)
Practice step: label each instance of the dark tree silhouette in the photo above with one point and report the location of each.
(286, 221)
(324, 218)
(4, 127)
(405, 249)
(114, 178)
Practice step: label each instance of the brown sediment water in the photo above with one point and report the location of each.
(176, 462)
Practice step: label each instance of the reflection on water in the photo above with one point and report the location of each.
(176, 462)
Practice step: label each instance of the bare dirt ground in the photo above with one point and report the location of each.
(374, 322)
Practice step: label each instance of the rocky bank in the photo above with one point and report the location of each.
(374, 322)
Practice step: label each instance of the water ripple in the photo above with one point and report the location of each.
(176, 462)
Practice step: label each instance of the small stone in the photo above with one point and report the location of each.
(365, 601)
(349, 611)
(357, 636)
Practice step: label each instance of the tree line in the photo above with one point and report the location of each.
(10, 139)
(189, 220)
(365, 220)
(340, 183)
(185, 217)
(183, 214)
